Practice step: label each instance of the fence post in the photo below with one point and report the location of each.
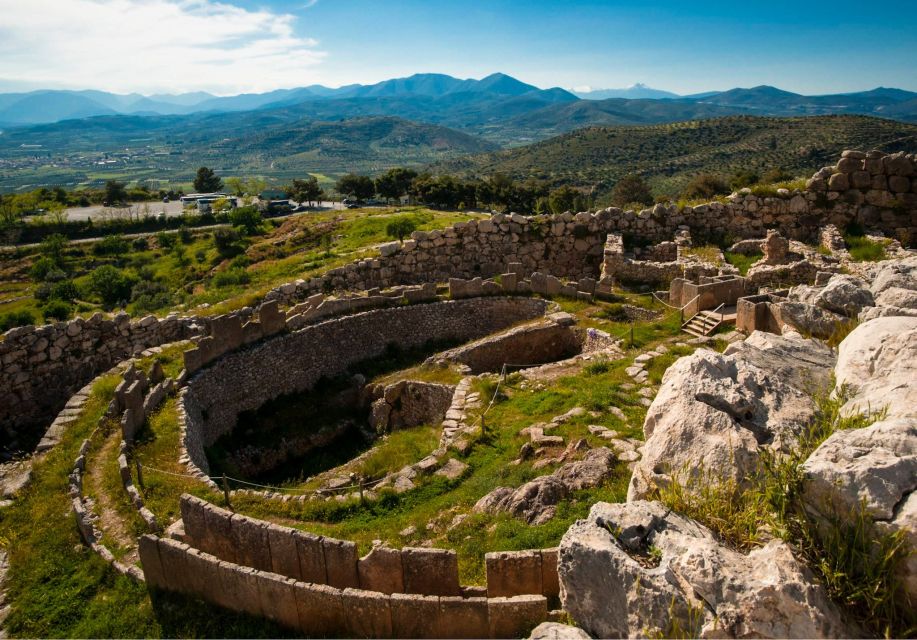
(631, 335)
(139, 473)
(226, 492)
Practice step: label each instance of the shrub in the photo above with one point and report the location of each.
(165, 240)
(140, 244)
(248, 219)
(184, 235)
(400, 227)
(148, 296)
(227, 242)
(231, 277)
(631, 189)
(53, 247)
(16, 319)
(64, 290)
(56, 310)
(110, 284)
(705, 185)
(743, 179)
(114, 245)
(42, 267)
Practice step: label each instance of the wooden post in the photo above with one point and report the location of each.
(362, 481)
(139, 473)
(632, 335)
(226, 492)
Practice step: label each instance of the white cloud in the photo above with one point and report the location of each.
(152, 46)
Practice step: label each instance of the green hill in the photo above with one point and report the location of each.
(669, 154)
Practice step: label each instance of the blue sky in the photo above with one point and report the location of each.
(228, 46)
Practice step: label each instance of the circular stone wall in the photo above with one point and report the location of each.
(293, 362)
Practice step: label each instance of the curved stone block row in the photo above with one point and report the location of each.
(293, 362)
(318, 610)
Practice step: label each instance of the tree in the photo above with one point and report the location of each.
(562, 199)
(307, 190)
(206, 181)
(53, 247)
(115, 192)
(395, 183)
(401, 227)
(631, 188)
(110, 284)
(246, 218)
(236, 186)
(705, 185)
(359, 187)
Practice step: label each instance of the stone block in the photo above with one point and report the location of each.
(284, 555)
(515, 617)
(252, 332)
(218, 538)
(278, 599)
(321, 610)
(272, 318)
(539, 283)
(193, 519)
(148, 547)
(415, 616)
(463, 618)
(430, 571)
(509, 281)
(311, 557)
(249, 536)
(226, 331)
(380, 570)
(550, 581)
(240, 588)
(512, 573)
(173, 557)
(553, 286)
(368, 614)
(201, 573)
(340, 563)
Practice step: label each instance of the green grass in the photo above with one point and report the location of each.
(741, 261)
(707, 253)
(862, 249)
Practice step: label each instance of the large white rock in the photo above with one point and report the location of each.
(660, 571)
(897, 297)
(714, 412)
(878, 361)
(844, 294)
(898, 273)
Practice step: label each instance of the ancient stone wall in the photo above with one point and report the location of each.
(293, 362)
(40, 367)
(320, 610)
(571, 245)
(535, 344)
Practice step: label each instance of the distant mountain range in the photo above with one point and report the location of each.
(77, 137)
(634, 92)
(424, 95)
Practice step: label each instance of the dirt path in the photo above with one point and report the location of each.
(110, 521)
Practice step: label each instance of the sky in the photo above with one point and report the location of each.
(235, 46)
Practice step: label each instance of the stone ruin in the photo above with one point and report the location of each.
(305, 581)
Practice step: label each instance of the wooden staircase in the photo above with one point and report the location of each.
(705, 323)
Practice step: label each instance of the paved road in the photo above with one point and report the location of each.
(155, 208)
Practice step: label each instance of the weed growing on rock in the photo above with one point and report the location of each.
(857, 562)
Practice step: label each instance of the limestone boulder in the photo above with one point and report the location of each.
(637, 569)
(875, 467)
(536, 501)
(714, 412)
(845, 295)
(897, 273)
(897, 297)
(557, 631)
(809, 319)
(878, 362)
